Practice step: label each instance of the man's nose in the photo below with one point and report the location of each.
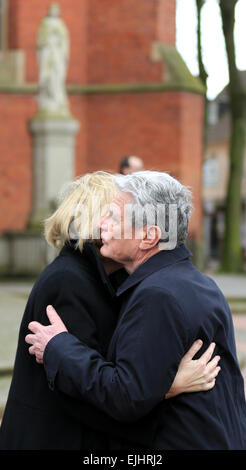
(103, 223)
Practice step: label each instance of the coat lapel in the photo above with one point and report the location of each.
(153, 264)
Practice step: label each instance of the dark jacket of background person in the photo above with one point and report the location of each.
(36, 418)
(167, 304)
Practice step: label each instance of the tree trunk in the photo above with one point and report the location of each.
(232, 252)
(202, 71)
(232, 260)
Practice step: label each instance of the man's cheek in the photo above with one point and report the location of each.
(107, 237)
(116, 233)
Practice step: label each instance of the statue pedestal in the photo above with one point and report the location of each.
(27, 253)
(53, 162)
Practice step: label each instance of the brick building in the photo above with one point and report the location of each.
(127, 86)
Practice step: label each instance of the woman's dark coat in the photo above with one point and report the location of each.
(36, 418)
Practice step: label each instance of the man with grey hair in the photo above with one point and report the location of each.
(166, 304)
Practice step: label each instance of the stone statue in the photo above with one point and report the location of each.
(52, 53)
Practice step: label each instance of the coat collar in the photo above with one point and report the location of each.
(91, 256)
(111, 282)
(155, 263)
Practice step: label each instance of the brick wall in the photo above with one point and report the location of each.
(166, 21)
(191, 152)
(120, 36)
(143, 124)
(24, 20)
(163, 128)
(16, 156)
(110, 43)
(15, 161)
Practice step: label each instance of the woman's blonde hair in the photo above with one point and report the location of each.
(83, 202)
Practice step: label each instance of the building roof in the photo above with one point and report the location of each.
(220, 130)
(223, 95)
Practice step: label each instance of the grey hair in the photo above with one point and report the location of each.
(152, 189)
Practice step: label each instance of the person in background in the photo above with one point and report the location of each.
(131, 164)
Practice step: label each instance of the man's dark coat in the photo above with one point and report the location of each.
(167, 304)
(35, 418)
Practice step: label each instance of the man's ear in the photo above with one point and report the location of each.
(151, 237)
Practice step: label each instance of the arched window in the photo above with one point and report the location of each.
(3, 25)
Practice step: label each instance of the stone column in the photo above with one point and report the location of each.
(53, 162)
(53, 128)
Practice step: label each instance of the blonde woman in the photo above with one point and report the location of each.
(79, 284)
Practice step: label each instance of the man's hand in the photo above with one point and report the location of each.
(43, 334)
(195, 375)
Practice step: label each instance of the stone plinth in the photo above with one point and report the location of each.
(53, 161)
(24, 254)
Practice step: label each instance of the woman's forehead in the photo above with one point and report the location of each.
(121, 199)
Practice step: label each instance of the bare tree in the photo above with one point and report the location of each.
(202, 71)
(232, 259)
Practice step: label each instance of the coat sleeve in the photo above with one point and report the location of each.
(67, 294)
(149, 344)
(142, 432)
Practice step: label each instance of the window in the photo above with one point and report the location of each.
(3, 25)
(211, 172)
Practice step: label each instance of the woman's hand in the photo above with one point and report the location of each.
(195, 375)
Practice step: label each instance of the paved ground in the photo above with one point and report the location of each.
(232, 286)
(13, 297)
(234, 289)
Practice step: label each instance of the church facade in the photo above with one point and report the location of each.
(127, 87)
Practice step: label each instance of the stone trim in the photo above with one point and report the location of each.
(111, 88)
(175, 70)
(3, 25)
(12, 69)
